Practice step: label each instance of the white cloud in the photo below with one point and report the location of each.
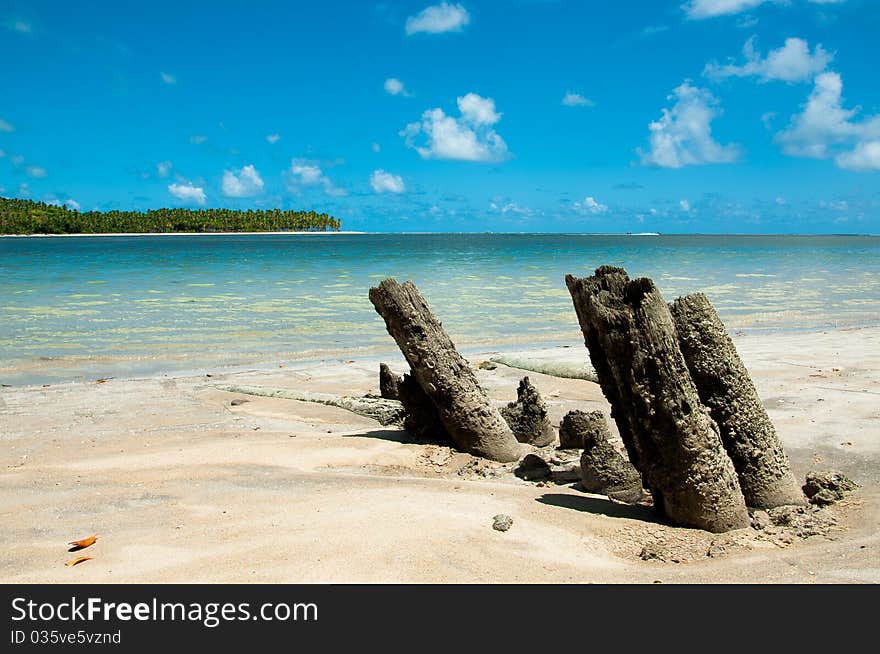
(711, 8)
(684, 205)
(20, 26)
(16, 160)
(273, 138)
(478, 110)
(36, 171)
(163, 168)
(394, 86)
(376, 147)
(683, 135)
(23, 190)
(571, 99)
(70, 203)
(822, 123)
(305, 173)
(197, 139)
(244, 184)
(651, 30)
(838, 205)
(508, 207)
(439, 18)
(468, 138)
(824, 129)
(866, 156)
(793, 62)
(5, 126)
(168, 78)
(590, 205)
(187, 193)
(383, 182)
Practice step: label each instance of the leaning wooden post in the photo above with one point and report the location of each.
(634, 348)
(727, 390)
(470, 418)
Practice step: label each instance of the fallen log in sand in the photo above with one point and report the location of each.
(669, 434)
(547, 366)
(383, 411)
(467, 413)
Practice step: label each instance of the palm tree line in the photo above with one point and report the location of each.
(18, 216)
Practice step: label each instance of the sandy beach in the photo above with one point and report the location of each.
(183, 486)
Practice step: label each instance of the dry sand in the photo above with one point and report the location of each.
(181, 486)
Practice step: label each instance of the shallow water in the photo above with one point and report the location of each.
(82, 307)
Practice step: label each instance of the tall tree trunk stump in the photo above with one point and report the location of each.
(668, 433)
(470, 418)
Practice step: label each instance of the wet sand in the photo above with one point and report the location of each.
(182, 486)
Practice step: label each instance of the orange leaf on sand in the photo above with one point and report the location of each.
(85, 542)
(77, 561)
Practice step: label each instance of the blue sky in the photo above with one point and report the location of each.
(524, 115)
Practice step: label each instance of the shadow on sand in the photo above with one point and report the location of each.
(396, 436)
(602, 507)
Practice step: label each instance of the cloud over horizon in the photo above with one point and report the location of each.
(470, 137)
(394, 86)
(304, 173)
(699, 9)
(384, 182)
(683, 135)
(187, 193)
(437, 19)
(825, 129)
(242, 184)
(590, 206)
(792, 62)
(571, 99)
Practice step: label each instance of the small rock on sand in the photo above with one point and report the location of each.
(502, 522)
(827, 487)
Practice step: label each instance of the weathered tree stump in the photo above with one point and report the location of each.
(388, 382)
(465, 410)
(527, 417)
(669, 434)
(603, 469)
(421, 418)
(727, 391)
(578, 427)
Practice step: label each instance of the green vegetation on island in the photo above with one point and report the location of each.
(29, 217)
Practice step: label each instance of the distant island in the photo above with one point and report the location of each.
(28, 217)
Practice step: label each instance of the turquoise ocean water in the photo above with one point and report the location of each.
(85, 307)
